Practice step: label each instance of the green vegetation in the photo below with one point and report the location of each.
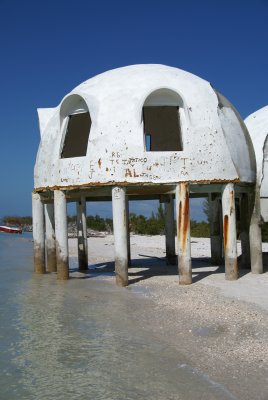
(139, 224)
(200, 229)
(18, 221)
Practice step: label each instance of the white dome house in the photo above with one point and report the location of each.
(146, 131)
(257, 124)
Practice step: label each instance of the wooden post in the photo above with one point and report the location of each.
(229, 232)
(38, 234)
(82, 234)
(183, 232)
(61, 231)
(255, 235)
(215, 230)
(170, 230)
(120, 235)
(244, 230)
(50, 238)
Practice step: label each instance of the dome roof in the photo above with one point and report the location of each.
(193, 133)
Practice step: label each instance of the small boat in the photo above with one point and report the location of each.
(9, 229)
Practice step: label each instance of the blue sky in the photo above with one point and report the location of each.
(49, 47)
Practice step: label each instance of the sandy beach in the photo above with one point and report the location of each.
(221, 327)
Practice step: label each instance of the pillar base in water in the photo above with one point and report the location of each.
(51, 260)
(63, 270)
(39, 261)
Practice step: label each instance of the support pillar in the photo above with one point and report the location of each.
(120, 235)
(82, 234)
(128, 233)
(38, 234)
(255, 235)
(229, 232)
(61, 231)
(215, 230)
(170, 231)
(183, 233)
(244, 230)
(51, 259)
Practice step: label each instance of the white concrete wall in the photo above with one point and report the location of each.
(257, 124)
(116, 149)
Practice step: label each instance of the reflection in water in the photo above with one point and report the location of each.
(85, 339)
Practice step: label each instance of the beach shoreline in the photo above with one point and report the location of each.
(221, 327)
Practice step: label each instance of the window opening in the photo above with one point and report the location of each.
(77, 134)
(162, 128)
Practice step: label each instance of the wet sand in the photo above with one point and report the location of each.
(221, 327)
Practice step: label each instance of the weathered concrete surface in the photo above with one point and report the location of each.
(38, 234)
(116, 146)
(128, 233)
(120, 235)
(257, 124)
(61, 235)
(51, 259)
(183, 234)
(244, 230)
(229, 232)
(255, 235)
(82, 234)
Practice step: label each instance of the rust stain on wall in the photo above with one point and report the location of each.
(99, 162)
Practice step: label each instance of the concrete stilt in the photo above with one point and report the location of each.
(51, 259)
(170, 231)
(244, 230)
(183, 232)
(120, 235)
(215, 230)
(82, 234)
(38, 234)
(128, 232)
(255, 235)
(61, 231)
(229, 232)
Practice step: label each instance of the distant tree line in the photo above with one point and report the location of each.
(17, 221)
(139, 224)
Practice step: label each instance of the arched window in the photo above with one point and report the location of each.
(161, 119)
(76, 124)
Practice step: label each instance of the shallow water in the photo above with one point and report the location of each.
(84, 339)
